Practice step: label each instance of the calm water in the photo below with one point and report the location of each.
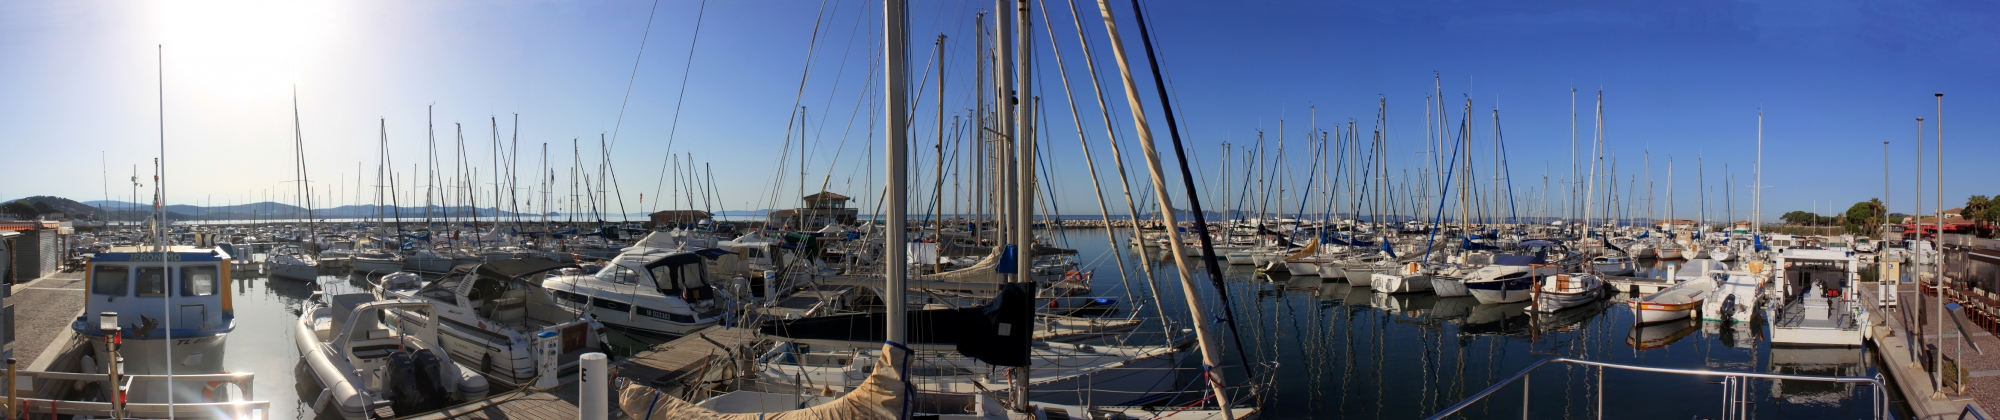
(1342, 352)
(1347, 352)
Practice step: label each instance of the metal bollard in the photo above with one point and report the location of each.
(594, 392)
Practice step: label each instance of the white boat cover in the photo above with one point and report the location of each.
(878, 397)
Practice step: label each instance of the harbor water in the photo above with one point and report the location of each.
(1339, 351)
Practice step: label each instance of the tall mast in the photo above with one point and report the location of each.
(1211, 350)
(895, 50)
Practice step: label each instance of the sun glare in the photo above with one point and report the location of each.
(239, 50)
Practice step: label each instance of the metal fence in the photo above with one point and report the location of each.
(1735, 386)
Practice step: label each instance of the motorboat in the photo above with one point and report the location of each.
(1563, 291)
(1511, 277)
(1735, 298)
(1675, 302)
(140, 284)
(1613, 265)
(1818, 306)
(650, 290)
(292, 262)
(366, 360)
(493, 312)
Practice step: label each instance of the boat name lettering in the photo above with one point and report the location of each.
(149, 257)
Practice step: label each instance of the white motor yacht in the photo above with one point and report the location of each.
(650, 290)
(493, 313)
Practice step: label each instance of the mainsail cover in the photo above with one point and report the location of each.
(997, 333)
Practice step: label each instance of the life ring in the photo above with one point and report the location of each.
(1073, 275)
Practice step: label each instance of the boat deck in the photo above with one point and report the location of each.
(664, 366)
(1640, 285)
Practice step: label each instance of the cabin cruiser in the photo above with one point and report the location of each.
(1818, 305)
(494, 311)
(1511, 277)
(292, 262)
(139, 284)
(649, 290)
(1613, 265)
(1409, 277)
(365, 359)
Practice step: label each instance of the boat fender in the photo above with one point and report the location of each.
(486, 363)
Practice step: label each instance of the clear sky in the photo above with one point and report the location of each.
(1680, 79)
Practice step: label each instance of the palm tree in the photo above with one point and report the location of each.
(1979, 209)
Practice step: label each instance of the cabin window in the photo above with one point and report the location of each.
(152, 282)
(621, 275)
(199, 281)
(108, 280)
(755, 253)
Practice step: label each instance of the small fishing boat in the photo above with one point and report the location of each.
(292, 262)
(1564, 291)
(1673, 303)
(365, 359)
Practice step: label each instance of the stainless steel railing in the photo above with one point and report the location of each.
(1736, 386)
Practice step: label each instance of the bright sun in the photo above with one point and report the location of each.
(239, 50)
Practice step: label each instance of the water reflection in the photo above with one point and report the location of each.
(1348, 352)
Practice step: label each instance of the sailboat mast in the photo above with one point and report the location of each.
(1210, 348)
(895, 50)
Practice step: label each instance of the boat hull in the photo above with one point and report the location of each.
(1398, 283)
(295, 272)
(376, 265)
(1506, 290)
(1446, 286)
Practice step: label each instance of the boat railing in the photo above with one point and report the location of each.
(1735, 385)
(1970, 412)
(247, 408)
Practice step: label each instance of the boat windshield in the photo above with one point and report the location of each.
(679, 272)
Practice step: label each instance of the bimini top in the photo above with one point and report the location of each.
(511, 268)
(180, 253)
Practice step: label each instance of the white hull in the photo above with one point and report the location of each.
(1446, 286)
(1555, 294)
(1239, 258)
(1400, 283)
(1303, 268)
(378, 266)
(1331, 272)
(295, 271)
(1360, 275)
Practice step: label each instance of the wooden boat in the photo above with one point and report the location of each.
(1673, 303)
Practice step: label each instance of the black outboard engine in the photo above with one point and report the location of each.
(1728, 308)
(431, 376)
(404, 383)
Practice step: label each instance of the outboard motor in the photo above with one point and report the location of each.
(1729, 308)
(404, 383)
(431, 376)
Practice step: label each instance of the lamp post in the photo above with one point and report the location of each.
(1938, 375)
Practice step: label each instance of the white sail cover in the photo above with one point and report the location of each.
(879, 397)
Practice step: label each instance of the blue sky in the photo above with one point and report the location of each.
(1683, 79)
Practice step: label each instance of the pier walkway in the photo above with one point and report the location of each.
(1910, 369)
(43, 310)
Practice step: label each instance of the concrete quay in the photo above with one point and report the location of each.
(1907, 357)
